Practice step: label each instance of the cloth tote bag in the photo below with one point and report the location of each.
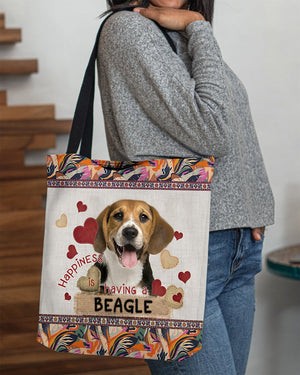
(125, 249)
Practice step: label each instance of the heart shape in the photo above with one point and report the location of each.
(167, 260)
(174, 297)
(177, 297)
(157, 288)
(67, 297)
(87, 232)
(81, 207)
(91, 282)
(62, 221)
(72, 252)
(178, 235)
(184, 276)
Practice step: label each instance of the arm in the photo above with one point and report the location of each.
(191, 110)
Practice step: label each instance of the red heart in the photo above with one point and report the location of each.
(72, 252)
(67, 297)
(184, 276)
(178, 235)
(81, 207)
(177, 297)
(157, 288)
(87, 233)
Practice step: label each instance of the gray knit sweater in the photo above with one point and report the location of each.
(158, 104)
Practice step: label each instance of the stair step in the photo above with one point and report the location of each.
(23, 188)
(44, 361)
(3, 98)
(39, 360)
(23, 239)
(15, 221)
(17, 312)
(11, 280)
(32, 202)
(30, 264)
(29, 112)
(8, 67)
(22, 325)
(35, 126)
(27, 142)
(24, 173)
(17, 251)
(25, 294)
(2, 21)
(14, 160)
(13, 343)
(8, 36)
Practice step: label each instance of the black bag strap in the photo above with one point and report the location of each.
(82, 125)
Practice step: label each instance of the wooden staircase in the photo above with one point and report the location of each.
(22, 196)
(8, 36)
(18, 66)
(11, 36)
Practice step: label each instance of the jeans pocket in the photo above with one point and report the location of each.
(262, 237)
(258, 252)
(253, 258)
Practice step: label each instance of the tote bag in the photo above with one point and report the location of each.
(125, 249)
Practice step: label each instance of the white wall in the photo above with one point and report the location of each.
(260, 41)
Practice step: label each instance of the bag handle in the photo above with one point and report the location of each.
(82, 125)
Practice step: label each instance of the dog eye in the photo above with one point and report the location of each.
(118, 216)
(143, 218)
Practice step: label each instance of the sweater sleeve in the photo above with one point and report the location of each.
(190, 109)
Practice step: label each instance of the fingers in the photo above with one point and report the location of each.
(149, 12)
(256, 233)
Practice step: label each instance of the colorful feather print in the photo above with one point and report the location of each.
(76, 167)
(133, 342)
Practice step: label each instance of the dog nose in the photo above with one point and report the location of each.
(130, 233)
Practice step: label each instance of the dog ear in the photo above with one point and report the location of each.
(100, 240)
(162, 233)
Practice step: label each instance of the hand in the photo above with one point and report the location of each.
(170, 18)
(256, 233)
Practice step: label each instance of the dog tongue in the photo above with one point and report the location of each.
(129, 258)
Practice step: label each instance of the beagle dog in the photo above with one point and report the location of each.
(128, 232)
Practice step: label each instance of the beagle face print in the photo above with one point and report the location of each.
(129, 231)
(125, 256)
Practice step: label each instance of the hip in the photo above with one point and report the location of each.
(234, 257)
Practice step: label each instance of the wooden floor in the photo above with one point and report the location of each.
(20, 267)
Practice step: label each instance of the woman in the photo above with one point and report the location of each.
(158, 104)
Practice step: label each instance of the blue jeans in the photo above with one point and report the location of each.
(234, 258)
